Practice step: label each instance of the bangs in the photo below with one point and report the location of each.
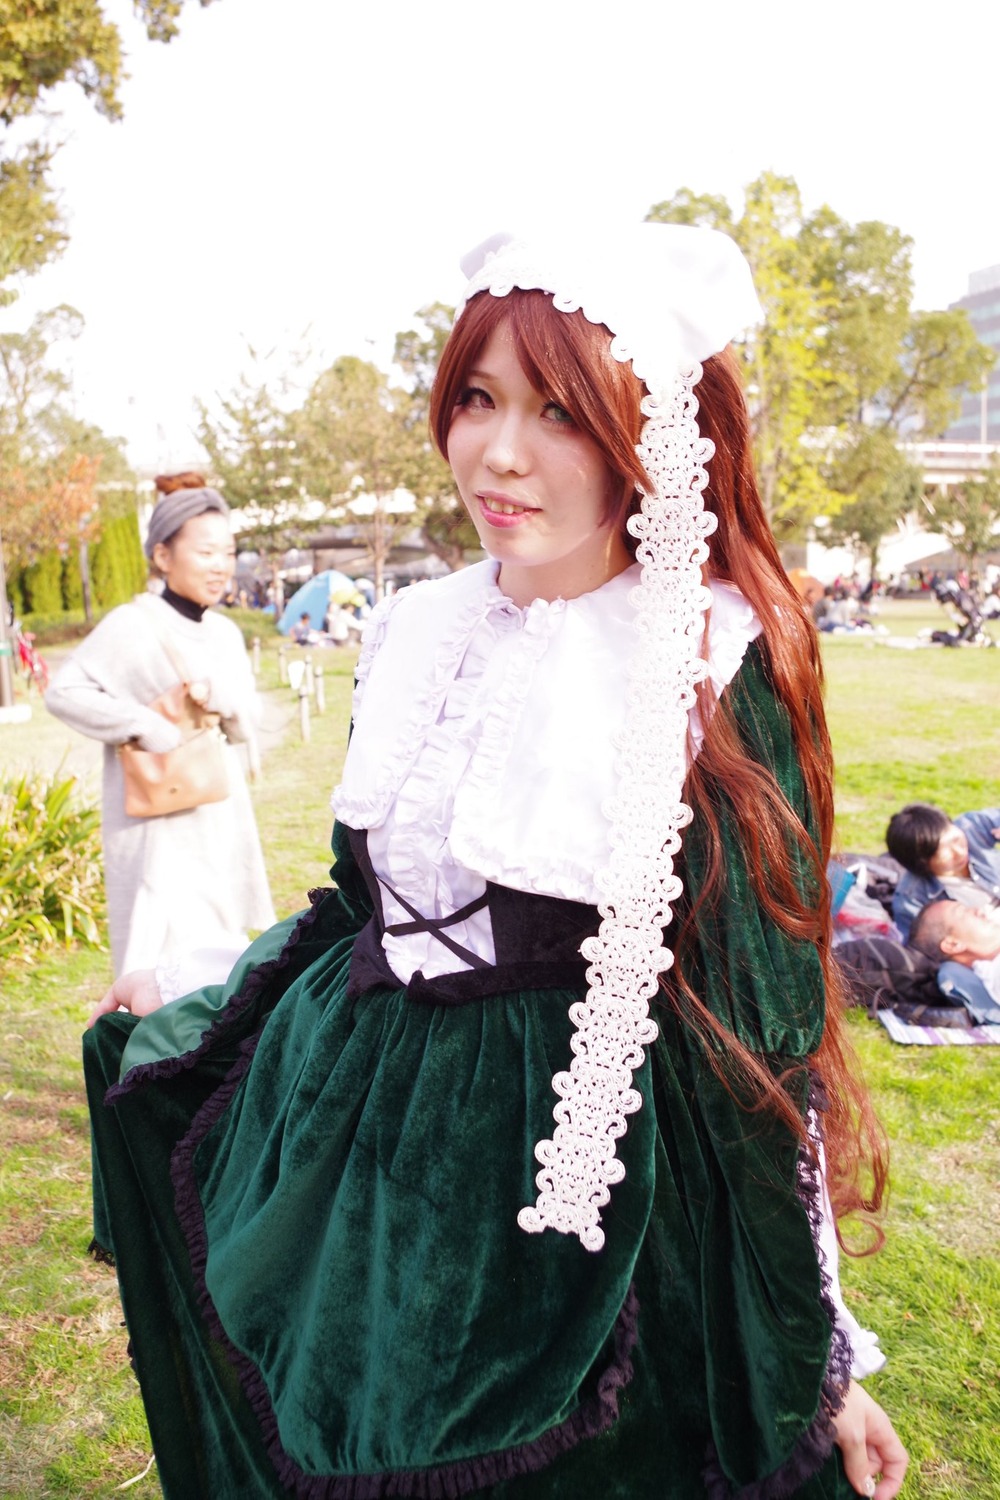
(564, 358)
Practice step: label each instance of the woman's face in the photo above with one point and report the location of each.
(198, 561)
(951, 857)
(536, 487)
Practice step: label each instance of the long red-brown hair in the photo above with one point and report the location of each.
(568, 360)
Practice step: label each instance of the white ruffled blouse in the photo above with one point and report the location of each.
(501, 768)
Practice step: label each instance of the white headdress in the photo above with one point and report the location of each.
(670, 296)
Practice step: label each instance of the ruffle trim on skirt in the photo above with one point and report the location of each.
(100, 1253)
(255, 983)
(816, 1444)
(446, 1481)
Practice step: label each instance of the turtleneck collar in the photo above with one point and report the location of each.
(185, 607)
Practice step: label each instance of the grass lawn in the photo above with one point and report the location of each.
(906, 723)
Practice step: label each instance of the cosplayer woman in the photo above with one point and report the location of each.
(579, 922)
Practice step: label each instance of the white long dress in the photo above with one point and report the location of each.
(192, 879)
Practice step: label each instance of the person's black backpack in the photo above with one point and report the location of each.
(884, 974)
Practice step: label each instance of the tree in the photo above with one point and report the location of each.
(30, 387)
(839, 354)
(48, 509)
(357, 447)
(969, 515)
(35, 426)
(249, 440)
(50, 460)
(444, 523)
(44, 43)
(30, 230)
(782, 365)
(884, 486)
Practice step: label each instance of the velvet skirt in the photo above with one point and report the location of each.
(311, 1200)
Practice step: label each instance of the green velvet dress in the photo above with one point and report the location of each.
(312, 1201)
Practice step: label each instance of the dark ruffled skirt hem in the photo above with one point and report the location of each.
(446, 1481)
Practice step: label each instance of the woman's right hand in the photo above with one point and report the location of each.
(158, 735)
(869, 1446)
(138, 993)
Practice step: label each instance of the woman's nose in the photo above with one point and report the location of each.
(506, 451)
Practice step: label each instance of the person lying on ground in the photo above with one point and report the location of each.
(965, 941)
(959, 859)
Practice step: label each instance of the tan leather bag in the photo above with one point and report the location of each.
(197, 771)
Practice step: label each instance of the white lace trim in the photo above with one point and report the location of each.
(579, 1162)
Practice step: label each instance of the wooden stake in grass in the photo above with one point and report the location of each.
(304, 708)
(255, 656)
(320, 690)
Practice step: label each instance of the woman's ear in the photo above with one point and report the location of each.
(161, 558)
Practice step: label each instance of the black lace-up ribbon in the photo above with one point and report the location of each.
(434, 925)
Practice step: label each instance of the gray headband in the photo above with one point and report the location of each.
(170, 513)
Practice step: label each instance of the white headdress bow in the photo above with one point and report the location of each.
(670, 296)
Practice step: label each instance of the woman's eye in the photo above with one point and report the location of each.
(475, 398)
(559, 414)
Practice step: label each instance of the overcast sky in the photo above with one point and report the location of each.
(287, 166)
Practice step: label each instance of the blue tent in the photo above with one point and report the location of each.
(313, 599)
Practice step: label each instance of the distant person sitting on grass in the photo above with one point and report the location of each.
(965, 941)
(959, 859)
(303, 633)
(337, 627)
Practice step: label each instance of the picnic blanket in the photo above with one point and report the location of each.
(937, 1036)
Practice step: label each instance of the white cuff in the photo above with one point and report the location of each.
(867, 1356)
(199, 968)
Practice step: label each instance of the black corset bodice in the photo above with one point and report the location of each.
(536, 940)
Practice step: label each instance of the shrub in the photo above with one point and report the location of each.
(72, 581)
(42, 584)
(117, 564)
(51, 881)
(15, 592)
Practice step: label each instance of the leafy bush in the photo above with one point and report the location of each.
(72, 580)
(51, 881)
(42, 584)
(51, 630)
(117, 566)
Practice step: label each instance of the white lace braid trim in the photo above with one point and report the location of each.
(626, 958)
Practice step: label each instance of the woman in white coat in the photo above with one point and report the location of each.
(193, 879)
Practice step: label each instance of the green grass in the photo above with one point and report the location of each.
(293, 799)
(933, 1293)
(910, 726)
(906, 724)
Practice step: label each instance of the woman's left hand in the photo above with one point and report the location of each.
(137, 992)
(869, 1446)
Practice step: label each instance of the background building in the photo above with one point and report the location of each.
(979, 421)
